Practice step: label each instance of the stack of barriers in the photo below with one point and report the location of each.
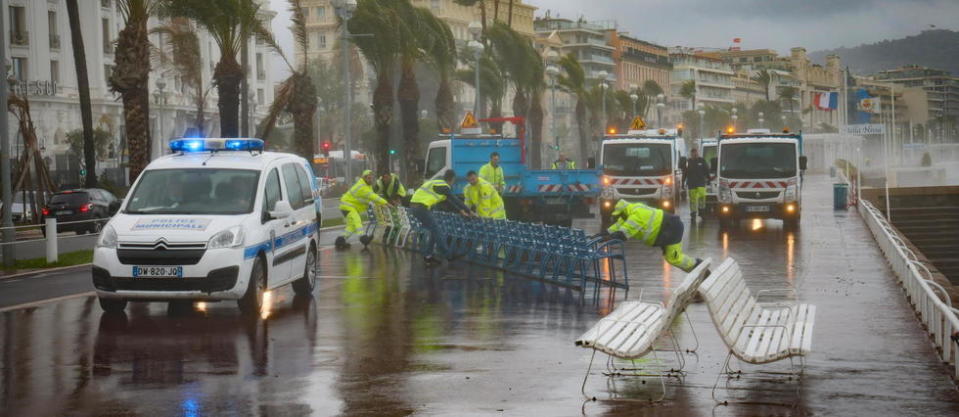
(554, 254)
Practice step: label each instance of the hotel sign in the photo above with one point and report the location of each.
(35, 88)
(865, 129)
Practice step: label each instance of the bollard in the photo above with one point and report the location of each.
(52, 251)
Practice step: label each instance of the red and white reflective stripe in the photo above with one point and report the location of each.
(579, 187)
(550, 188)
(758, 184)
(514, 188)
(637, 181)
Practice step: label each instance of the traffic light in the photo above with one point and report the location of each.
(326, 148)
(392, 151)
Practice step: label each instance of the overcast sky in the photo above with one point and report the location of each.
(774, 24)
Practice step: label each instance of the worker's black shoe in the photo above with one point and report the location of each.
(365, 240)
(341, 243)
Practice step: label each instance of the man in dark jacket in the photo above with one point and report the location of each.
(696, 178)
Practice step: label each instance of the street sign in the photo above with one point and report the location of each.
(637, 124)
(865, 129)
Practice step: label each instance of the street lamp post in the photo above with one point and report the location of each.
(761, 120)
(660, 105)
(602, 79)
(553, 72)
(783, 118)
(344, 9)
(476, 29)
(735, 117)
(702, 122)
(160, 98)
(634, 98)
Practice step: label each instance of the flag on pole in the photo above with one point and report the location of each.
(870, 105)
(826, 101)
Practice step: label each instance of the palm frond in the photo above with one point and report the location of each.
(298, 27)
(281, 100)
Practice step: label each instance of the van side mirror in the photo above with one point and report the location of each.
(114, 206)
(802, 163)
(282, 210)
(591, 163)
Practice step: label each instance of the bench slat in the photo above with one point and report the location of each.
(614, 328)
(636, 327)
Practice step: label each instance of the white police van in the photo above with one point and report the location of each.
(218, 220)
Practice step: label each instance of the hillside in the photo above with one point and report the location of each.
(938, 48)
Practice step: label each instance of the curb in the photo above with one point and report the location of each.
(44, 271)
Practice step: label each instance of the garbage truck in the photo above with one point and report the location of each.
(760, 176)
(553, 196)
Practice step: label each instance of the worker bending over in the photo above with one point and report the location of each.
(493, 173)
(483, 198)
(390, 188)
(654, 227)
(352, 203)
(431, 193)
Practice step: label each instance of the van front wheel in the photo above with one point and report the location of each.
(253, 298)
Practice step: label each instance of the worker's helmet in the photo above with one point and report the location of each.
(367, 172)
(620, 207)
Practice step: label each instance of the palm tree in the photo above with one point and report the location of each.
(229, 23)
(650, 89)
(83, 85)
(764, 78)
(688, 91)
(573, 80)
(297, 94)
(788, 94)
(182, 52)
(492, 80)
(381, 50)
(524, 66)
(442, 55)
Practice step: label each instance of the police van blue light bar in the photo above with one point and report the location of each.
(213, 145)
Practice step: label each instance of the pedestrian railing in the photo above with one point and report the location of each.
(929, 299)
(555, 254)
(51, 236)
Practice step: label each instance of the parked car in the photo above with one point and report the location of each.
(22, 211)
(80, 204)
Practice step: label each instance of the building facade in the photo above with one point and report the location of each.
(43, 71)
(939, 92)
(713, 78)
(588, 41)
(638, 61)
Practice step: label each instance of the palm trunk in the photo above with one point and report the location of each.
(536, 130)
(581, 126)
(483, 14)
(382, 118)
(83, 84)
(509, 16)
(408, 96)
(302, 107)
(496, 110)
(444, 102)
(495, 10)
(228, 74)
(200, 108)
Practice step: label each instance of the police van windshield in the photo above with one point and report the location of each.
(636, 159)
(758, 160)
(194, 191)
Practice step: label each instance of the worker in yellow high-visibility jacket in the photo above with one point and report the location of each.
(493, 173)
(483, 198)
(428, 196)
(654, 227)
(390, 188)
(354, 202)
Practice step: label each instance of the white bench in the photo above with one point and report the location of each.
(631, 330)
(754, 332)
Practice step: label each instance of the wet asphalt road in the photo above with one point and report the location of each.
(386, 337)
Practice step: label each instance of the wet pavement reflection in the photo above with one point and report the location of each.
(384, 336)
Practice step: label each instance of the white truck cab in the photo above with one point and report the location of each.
(760, 176)
(641, 165)
(218, 220)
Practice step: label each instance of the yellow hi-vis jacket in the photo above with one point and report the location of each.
(359, 197)
(426, 196)
(639, 221)
(484, 198)
(568, 164)
(393, 189)
(494, 176)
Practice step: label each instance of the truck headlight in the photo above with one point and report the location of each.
(790, 194)
(229, 238)
(108, 238)
(724, 194)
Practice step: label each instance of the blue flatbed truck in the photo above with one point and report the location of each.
(551, 196)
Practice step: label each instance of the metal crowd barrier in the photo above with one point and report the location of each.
(555, 254)
(937, 314)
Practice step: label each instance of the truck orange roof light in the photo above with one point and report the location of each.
(611, 131)
(730, 130)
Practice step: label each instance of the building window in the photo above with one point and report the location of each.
(107, 72)
(107, 45)
(52, 29)
(260, 97)
(55, 71)
(322, 41)
(260, 72)
(321, 12)
(306, 12)
(19, 69)
(435, 4)
(18, 26)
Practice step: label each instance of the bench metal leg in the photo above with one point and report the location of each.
(794, 371)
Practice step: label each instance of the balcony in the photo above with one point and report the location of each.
(601, 59)
(19, 38)
(106, 3)
(54, 41)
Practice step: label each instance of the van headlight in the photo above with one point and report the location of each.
(108, 238)
(229, 238)
(724, 194)
(790, 194)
